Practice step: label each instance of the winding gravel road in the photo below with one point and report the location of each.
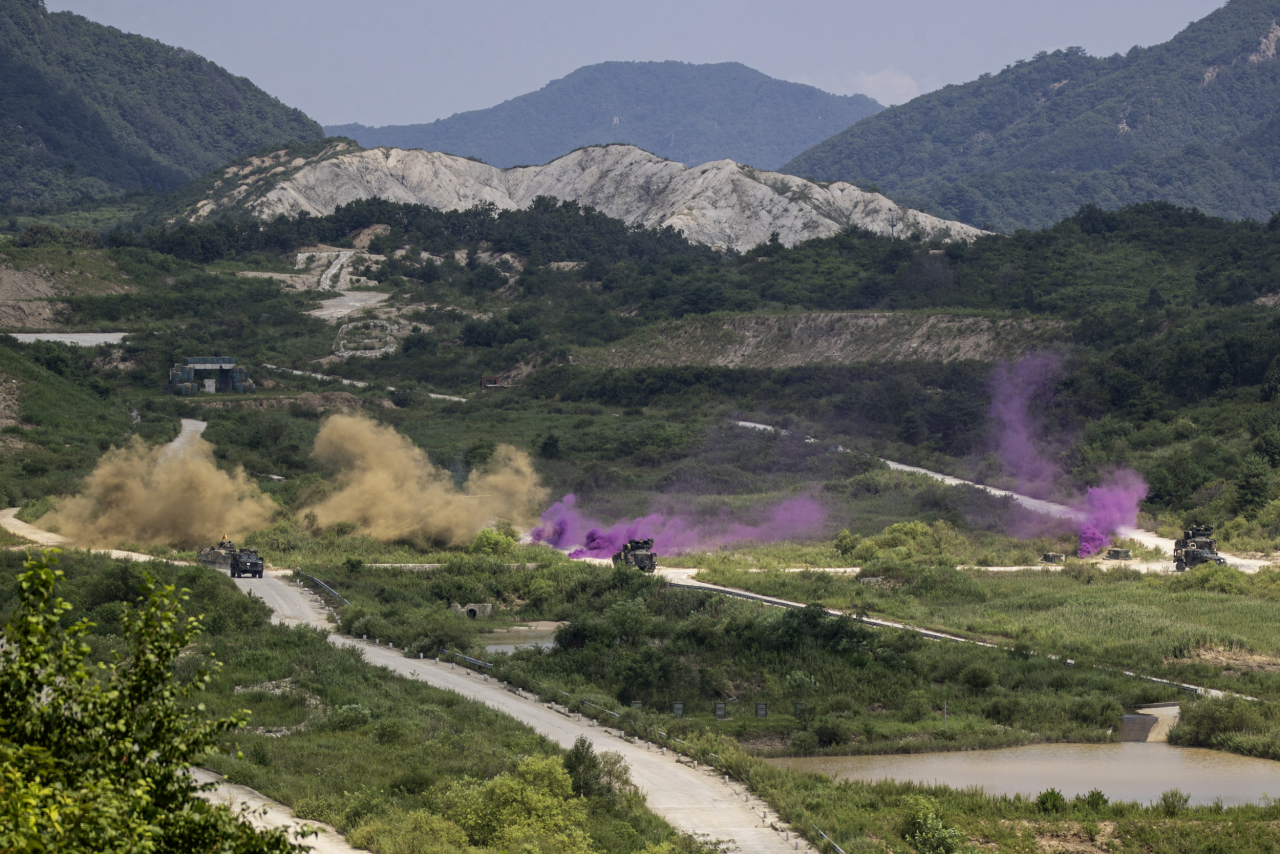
(693, 800)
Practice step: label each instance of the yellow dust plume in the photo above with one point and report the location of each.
(390, 490)
(166, 495)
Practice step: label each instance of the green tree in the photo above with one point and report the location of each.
(1253, 484)
(95, 760)
(532, 810)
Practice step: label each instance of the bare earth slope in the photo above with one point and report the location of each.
(828, 338)
(722, 204)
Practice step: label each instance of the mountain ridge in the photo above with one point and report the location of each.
(722, 204)
(684, 112)
(1183, 122)
(87, 110)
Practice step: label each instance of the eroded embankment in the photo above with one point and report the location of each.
(830, 338)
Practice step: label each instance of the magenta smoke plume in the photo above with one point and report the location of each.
(1014, 388)
(1103, 509)
(1109, 507)
(564, 527)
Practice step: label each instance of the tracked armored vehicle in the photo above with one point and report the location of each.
(1197, 546)
(238, 562)
(637, 553)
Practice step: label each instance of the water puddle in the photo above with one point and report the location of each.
(1125, 772)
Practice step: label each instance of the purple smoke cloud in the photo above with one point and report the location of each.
(1109, 507)
(1103, 509)
(564, 526)
(1015, 386)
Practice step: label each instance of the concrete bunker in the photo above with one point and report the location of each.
(229, 376)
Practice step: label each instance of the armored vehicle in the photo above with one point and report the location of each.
(226, 556)
(1197, 546)
(637, 553)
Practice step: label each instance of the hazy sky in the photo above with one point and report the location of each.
(408, 61)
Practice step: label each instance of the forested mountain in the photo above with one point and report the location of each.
(86, 110)
(1194, 121)
(683, 112)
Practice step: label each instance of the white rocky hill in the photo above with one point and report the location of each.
(722, 204)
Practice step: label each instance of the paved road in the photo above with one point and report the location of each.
(694, 801)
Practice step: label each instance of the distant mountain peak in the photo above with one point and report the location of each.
(684, 112)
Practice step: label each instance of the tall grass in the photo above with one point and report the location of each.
(1166, 625)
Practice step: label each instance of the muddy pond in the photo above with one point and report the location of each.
(1135, 771)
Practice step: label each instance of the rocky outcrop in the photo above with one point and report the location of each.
(722, 204)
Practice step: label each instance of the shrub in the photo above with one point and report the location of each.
(803, 743)
(925, 831)
(388, 732)
(846, 543)
(1003, 710)
(1051, 801)
(350, 717)
(831, 730)
(1096, 711)
(978, 678)
(917, 708)
(1173, 802)
(1095, 800)
(1203, 720)
(491, 542)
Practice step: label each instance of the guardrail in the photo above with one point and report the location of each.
(326, 587)
(467, 658)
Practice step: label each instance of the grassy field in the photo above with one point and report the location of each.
(1210, 626)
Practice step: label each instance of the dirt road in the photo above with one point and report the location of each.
(1061, 511)
(77, 339)
(695, 801)
(191, 430)
(1050, 508)
(268, 814)
(351, 302)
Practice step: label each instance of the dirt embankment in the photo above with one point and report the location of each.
(329, 401)
(26, 300)
(832, 338)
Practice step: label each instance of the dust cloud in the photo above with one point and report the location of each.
(390, 490)
(177, 497)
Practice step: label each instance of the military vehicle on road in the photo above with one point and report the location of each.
(637, 553)
(1197, 546)
(226, 556)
